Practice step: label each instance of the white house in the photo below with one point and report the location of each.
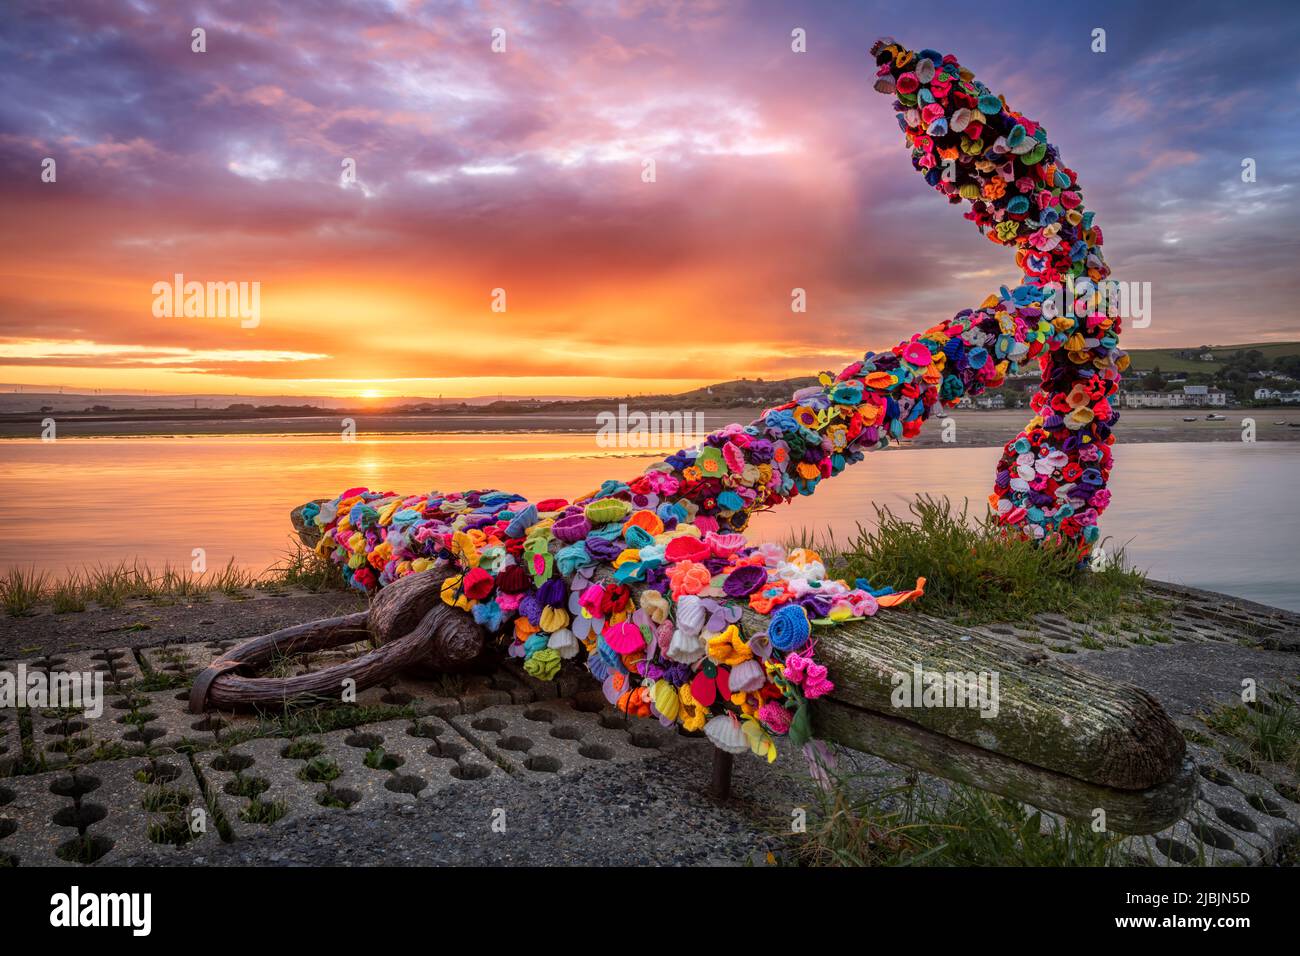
(1202, 395)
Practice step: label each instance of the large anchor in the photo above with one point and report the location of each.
(1064, 740)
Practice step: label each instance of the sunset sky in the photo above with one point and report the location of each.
(523, 171)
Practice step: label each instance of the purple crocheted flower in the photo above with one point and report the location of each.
(602, 549)
(554, 593)
(744, 581)
(571, 528)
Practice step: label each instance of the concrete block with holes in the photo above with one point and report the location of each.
(11, 742)
(555, 736)
(263, 782)
(96, 814)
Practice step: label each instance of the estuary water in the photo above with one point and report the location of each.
(1214, 515)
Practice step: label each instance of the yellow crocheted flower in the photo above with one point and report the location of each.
(693, 714)
(759, 742)
(553, 619)
(451, 593)
(729, 647)
(666, 700)
(463, 545)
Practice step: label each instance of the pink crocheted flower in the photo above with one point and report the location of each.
(775, 717)
(795, 667)
(591, 599)
(863, 604)
(734, 457)
(662, 483)
(807, 673)
(816, 683)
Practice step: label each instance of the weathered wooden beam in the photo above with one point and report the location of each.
(1050, 715)
(906, 743)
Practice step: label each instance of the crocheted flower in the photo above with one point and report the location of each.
(863, 604)
(710, 462)
(688, 577)
(729, 647)
(789, 628)
(808, 675)
(744, 581)
(816, 683)
(655, 605)
(760, 744)
(684, 647)
(916, 353)
(635, 702)
(693, 714)
(554, 619)
(543, 664)
(589, 600)
(624, 637)
(451, 592)
(775, 717)
(774, 593)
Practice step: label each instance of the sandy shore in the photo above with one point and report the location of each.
(1141, 425)
(973, 428)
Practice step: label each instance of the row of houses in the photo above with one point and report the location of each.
(1277, 395)
(992, 401)
(1191, 396)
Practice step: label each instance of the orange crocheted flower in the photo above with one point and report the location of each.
(774, 594)
(688, 577)
(635, 703)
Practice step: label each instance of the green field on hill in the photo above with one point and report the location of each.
(1182, 360)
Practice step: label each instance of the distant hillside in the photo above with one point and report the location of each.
(1238, 369)
(32, 398)
(1187, 360)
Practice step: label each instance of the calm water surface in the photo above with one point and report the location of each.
(1218, 516)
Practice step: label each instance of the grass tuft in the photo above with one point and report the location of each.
(68, 595)
(303, 569)
(909, 826)
(21, 589)
(976, 573)
(1270, 729)
(112, 586)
